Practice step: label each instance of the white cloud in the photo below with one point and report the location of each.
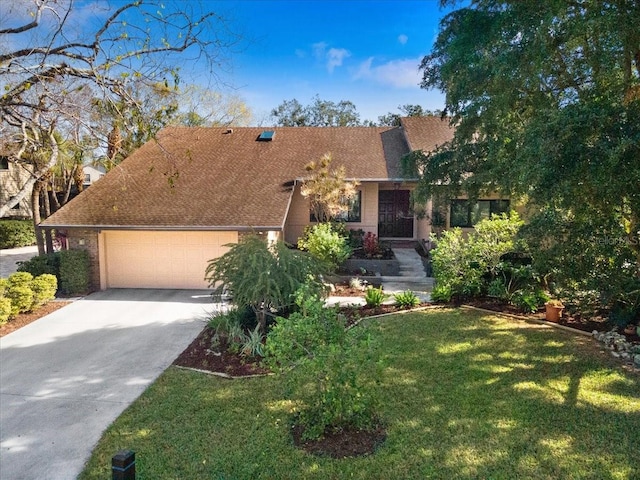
(334, 57)
(402, 39)
(395, 73)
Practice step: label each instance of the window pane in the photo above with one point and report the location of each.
(353, 213)
(499, 206)
(480, 211)
(459, 213)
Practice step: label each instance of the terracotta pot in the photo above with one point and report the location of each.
(553, 313)
(630, 329)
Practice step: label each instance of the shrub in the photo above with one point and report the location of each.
(370, 244)
(356, 238)
(21, 299)
(325, 244)
(4, 284)
(406, 299)
(16, 233)
(374, 297)
(442, 294)
(5, 310)
(44, 289)
(42, 264)
(263, 277)
(465, 265)
(335, 369)
(74, 271)
(19, 279)
(253, 343)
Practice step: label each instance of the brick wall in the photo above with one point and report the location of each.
(79, 239)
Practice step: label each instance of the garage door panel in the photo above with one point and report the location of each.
(161, 259)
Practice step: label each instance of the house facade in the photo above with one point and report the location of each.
(180, 200)
(12, 178)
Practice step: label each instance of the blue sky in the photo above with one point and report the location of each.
(364, 51)
(367, 52)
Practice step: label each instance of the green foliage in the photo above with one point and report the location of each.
(461, 264)
(4, 283)
(44, 289)
(5, 310)
(74, 271)
(325, 243)
(442, 294)
(585, 229)
(16, 233)
(320, 113)
(19, 279)
(374, 297)
(263, 277)
(21, 299)
(334, 368)
(406, 299)
(253, 345)
(40, 264)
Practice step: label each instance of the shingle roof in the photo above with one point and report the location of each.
(219, 179)
(210, 179)
(426, 133)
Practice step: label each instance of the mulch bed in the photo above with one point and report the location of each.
(23, 319)
(200, 355)
(348, 442)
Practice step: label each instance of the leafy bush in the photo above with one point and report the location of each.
(374, 297)
(74, 271)
(463, 266)
(40, 264)
(5, 310)
(21, 299)
(4, 284)
(19, 279)
(370, 244)
(263, 277)
(44, 288)
(335, 369)
(16, 233)
(326, 244)
(356, 238)
(406, 299)
(442, 294)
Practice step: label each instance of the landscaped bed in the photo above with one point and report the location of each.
(464, 395)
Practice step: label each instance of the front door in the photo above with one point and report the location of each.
(394, 217)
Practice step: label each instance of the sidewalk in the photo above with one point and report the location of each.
(9, 257)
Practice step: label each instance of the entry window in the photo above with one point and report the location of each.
(353, 212)
(466, 214)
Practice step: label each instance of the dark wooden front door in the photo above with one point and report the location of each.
(394, 217)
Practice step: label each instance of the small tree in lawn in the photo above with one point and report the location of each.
(263, 276)
(327, 190)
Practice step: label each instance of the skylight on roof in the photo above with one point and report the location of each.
(267, 136)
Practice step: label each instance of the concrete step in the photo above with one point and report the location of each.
(408, 279)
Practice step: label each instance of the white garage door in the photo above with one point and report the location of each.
(161, 259)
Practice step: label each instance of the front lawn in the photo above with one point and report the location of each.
(465, 395)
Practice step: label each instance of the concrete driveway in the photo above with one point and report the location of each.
(66, 377)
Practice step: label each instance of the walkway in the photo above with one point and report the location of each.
(412, 277)
(9, 257)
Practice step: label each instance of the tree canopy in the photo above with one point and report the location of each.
(320, 113)
(545, 97)
(59, 58)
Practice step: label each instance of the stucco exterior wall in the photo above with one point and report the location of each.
(299, 212)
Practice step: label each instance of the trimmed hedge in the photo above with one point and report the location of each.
(44, 289)
(74, 271)
(16, 233)
(70, 267)
(21, 293)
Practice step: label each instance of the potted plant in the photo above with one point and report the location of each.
(553, 310)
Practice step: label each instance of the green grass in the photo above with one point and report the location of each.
(465, 395)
